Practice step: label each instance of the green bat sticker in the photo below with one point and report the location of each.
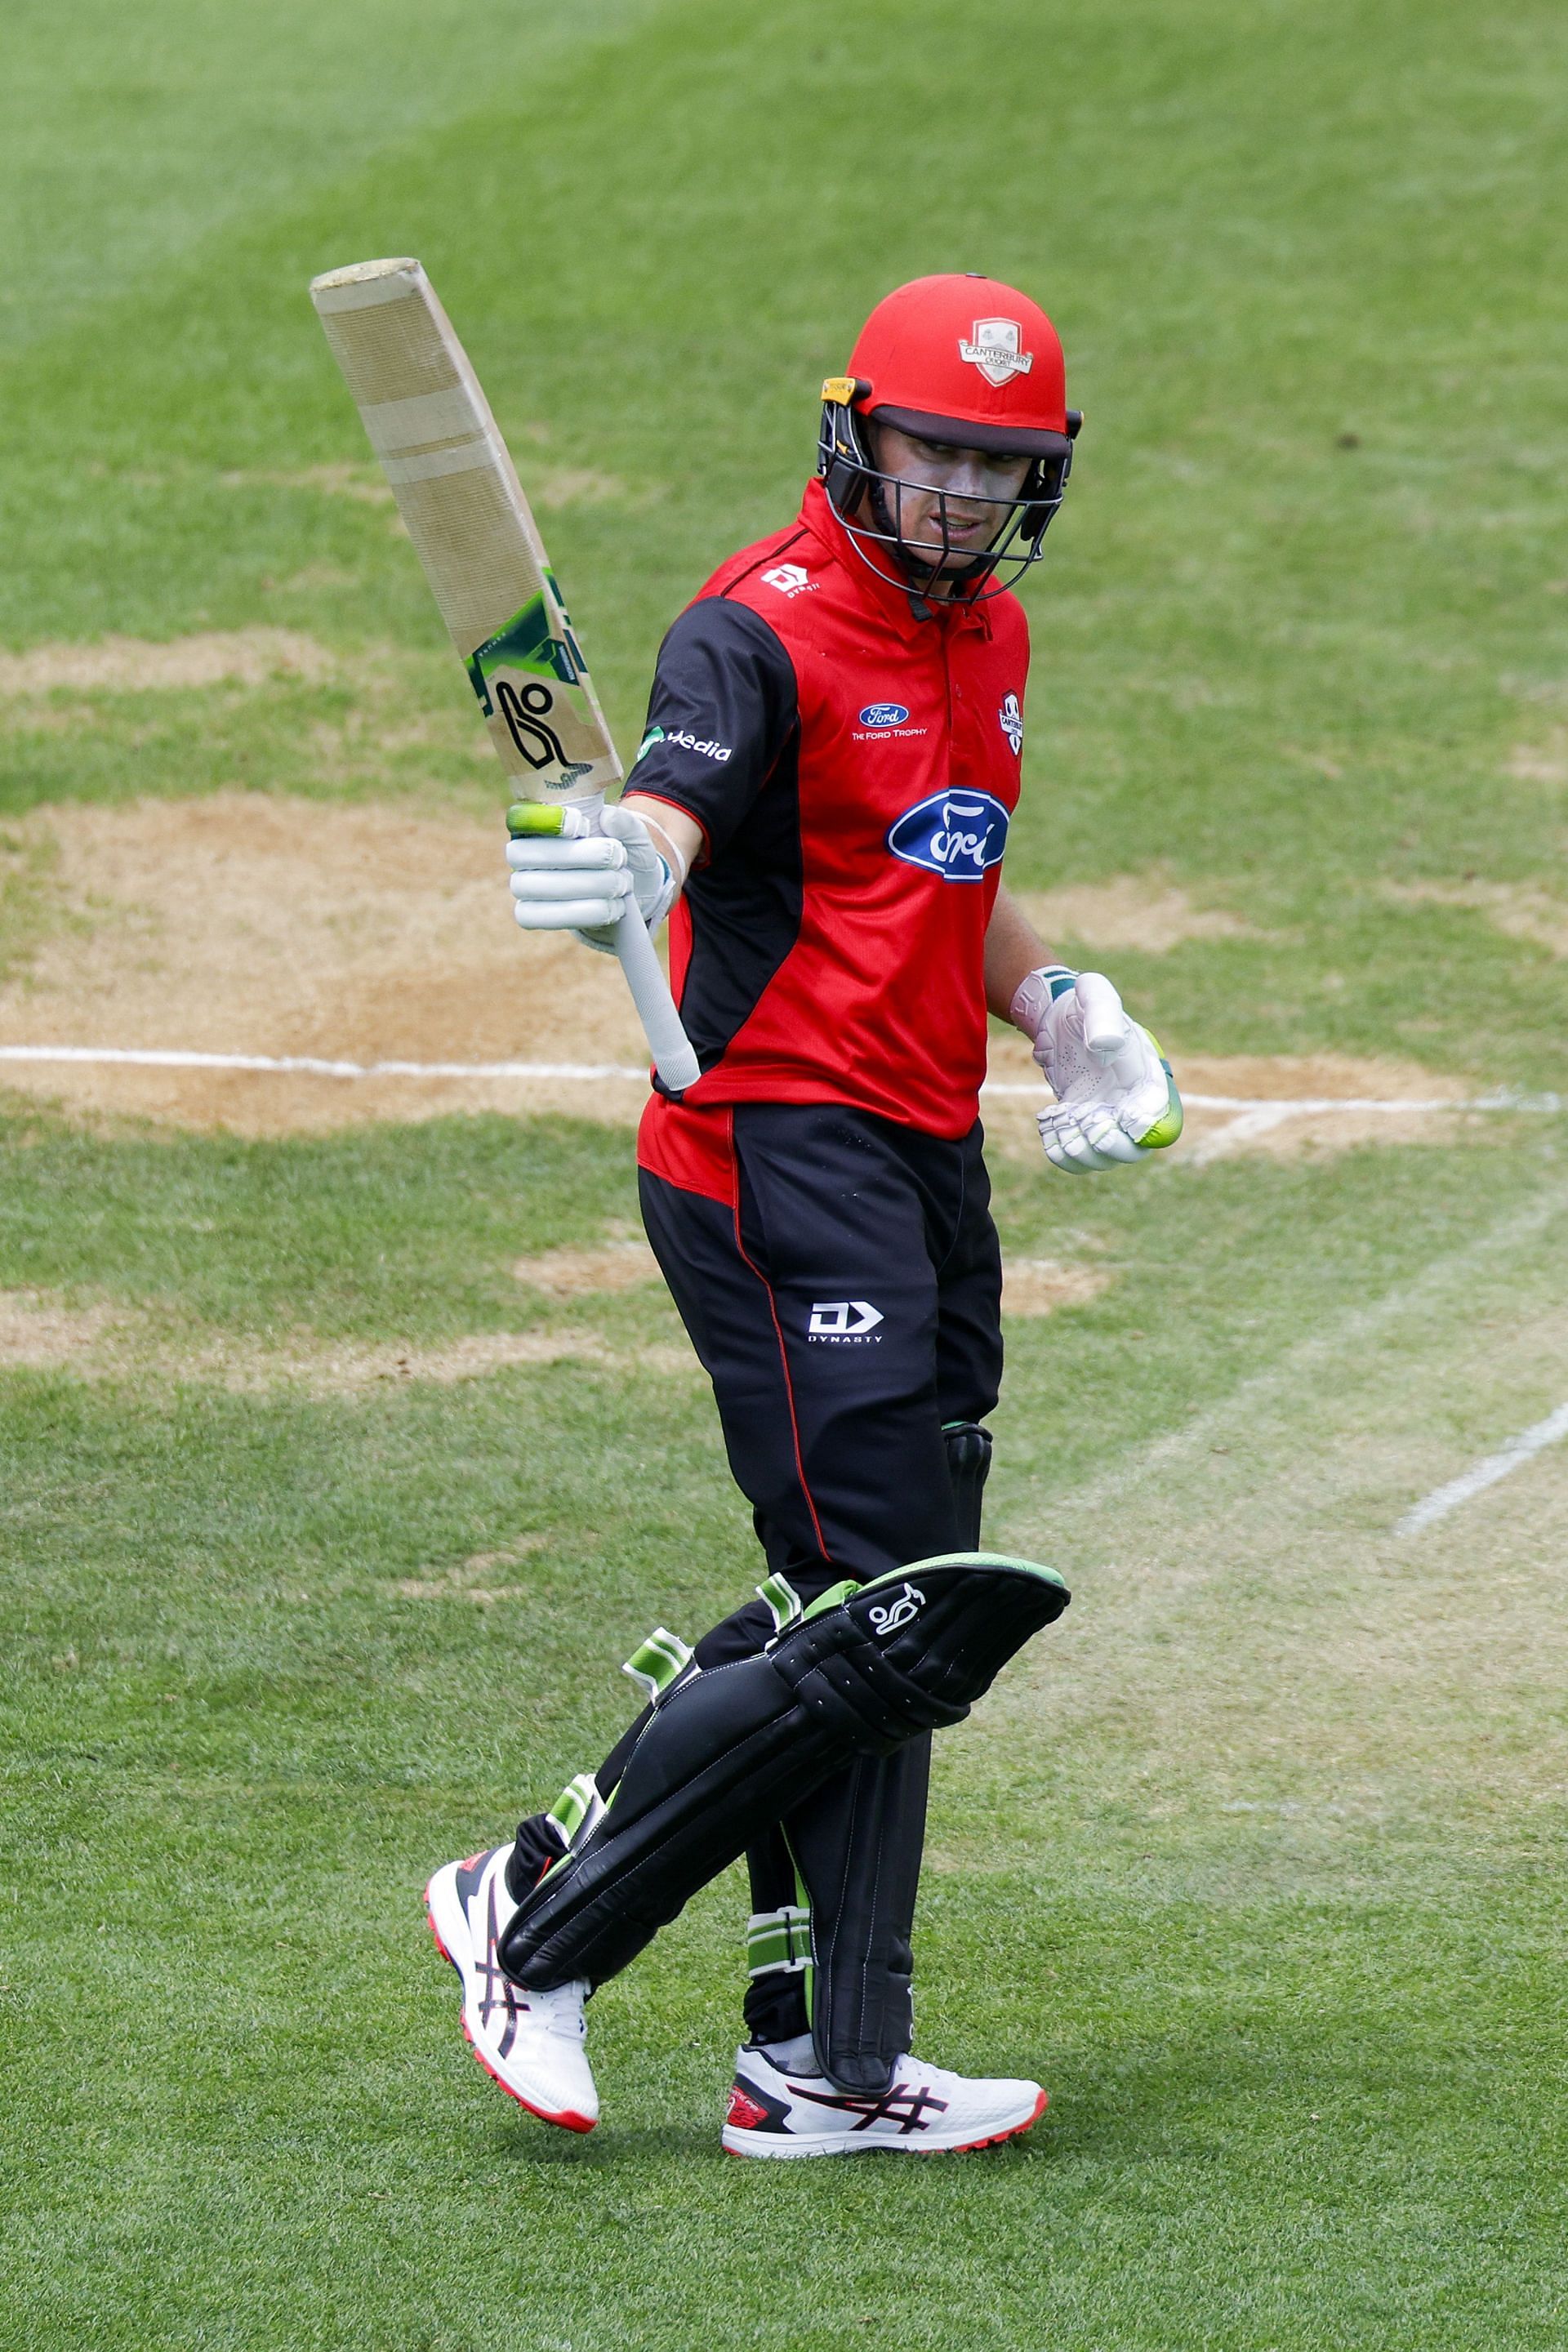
(527, 641)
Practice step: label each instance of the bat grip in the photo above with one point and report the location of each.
(668, 1041)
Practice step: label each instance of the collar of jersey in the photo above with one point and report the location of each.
(867, 587)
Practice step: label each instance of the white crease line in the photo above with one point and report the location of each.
(1507, 1458)
(1269, 1111)
(159, 1058)
(1502, 1099)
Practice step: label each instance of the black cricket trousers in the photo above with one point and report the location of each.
(847, 1308)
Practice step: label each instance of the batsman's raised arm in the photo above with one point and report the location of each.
(722, 707)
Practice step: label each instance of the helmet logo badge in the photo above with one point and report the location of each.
(998, 351)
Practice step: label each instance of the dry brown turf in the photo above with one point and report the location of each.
(253, 923)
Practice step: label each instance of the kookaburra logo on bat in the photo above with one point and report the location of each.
(525, 714)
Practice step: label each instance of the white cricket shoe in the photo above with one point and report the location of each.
(530, 2043)
(927, 2111)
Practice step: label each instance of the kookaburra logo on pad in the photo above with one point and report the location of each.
(910, 1603)
(997, 350)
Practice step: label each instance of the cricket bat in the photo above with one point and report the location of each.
(457, 492)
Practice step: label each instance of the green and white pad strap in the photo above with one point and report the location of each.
(779, 1940)
(658, 1663)
(782, 1599)
(578, 1809)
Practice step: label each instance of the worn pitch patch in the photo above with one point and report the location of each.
(1147, 911)
(1250, 1635)
(41, 1332)
(141, 665)
(465, 1582)
(252, 923)
(1038, 1286)
(624, 1263)
(1520, 910)
(1541, 764)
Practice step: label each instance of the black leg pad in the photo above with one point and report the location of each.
(856, 1841)
(726, 1752)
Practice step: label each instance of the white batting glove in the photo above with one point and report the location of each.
(1116, 1098)
(581, 866)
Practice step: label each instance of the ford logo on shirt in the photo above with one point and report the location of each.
(956, 835)
(883, 714)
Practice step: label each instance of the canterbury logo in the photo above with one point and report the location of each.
(910, 1603)
(997, 350)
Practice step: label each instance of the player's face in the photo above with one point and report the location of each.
(969, 488)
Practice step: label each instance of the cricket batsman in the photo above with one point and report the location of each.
(821, 806)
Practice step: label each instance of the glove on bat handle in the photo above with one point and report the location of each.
(668, 1042)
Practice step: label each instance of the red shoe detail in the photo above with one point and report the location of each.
(567, 2117)
(996, 2139)
(744, 2111)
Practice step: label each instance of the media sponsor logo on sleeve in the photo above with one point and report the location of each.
(956, 835)
(789, 578)
(681, 738)
(998, 351)
(1012, 723)
(843, 1321)
(684, 740)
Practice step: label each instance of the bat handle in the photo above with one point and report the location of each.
(668, 1041)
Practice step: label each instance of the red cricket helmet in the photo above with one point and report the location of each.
(967, 361)
(964, 360)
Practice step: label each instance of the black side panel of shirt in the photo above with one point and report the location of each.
(725, 684)
(722, 706)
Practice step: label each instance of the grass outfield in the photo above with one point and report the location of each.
(1256, 1859)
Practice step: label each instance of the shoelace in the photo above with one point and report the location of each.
(560, 2011)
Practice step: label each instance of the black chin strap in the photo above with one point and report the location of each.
(922, 602)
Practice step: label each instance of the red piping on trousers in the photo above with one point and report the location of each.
(783, 1355)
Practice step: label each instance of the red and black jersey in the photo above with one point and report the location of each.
(854, 765)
